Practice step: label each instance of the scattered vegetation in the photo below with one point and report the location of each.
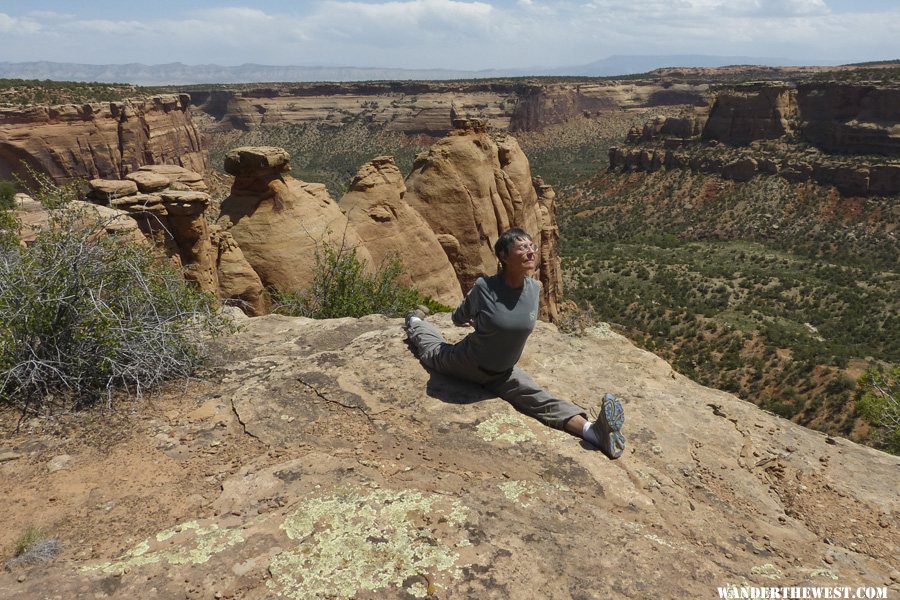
(343, 287)
(878, 402)
(7, 194)
(33, 547)
(84, 313)
(771, 290)
(25, 92)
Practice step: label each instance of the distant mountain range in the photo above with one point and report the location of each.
(182, 74)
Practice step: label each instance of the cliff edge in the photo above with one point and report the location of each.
(319, 459)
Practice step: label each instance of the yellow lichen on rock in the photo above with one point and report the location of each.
(198, 548)
(369, 540)
(510, 428)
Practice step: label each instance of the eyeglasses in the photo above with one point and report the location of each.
(525, 248)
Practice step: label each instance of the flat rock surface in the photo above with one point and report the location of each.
(318, 459)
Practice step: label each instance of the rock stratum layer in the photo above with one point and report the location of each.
(320, 460)
(754, 129)
(100, 140)
(429, 107)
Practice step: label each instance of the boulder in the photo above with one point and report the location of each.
(849, 180)
(34, 217)
(239, 285)
(388, 226)
(105, 190)
(187, 224)
(280, 222)
(742, 169)
(176, 174)
(148, 181)
(248, 160)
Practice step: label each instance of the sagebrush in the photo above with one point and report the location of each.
(84, 313)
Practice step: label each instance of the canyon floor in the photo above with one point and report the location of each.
(318, 459)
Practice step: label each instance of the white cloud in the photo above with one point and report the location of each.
(461, 34)
(10, 24)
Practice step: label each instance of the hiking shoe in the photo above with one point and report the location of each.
(607, 426)
(419, 312)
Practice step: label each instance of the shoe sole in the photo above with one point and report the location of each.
(613, 416)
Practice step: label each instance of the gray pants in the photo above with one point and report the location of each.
(515, 385)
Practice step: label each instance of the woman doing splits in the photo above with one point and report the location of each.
(503, 309)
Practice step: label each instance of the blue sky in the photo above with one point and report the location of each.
(460, 34)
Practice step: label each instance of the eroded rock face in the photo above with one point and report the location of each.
(856, 118)
(100, 140)
(278, 221)
(239, 285)
(470, 188)
(388, 226)
(551, 267)
(172, 216)
(739, 117)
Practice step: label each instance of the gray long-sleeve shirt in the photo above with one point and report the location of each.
(503, 317)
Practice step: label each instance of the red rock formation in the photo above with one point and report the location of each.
(847, 117)
(388, 226)
(741, 116)
(101, 140)
(239, 285)
(470, 188)
(850, 179)
(550, 272)
(279, 221)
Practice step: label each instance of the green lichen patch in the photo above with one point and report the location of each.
(767, 570)
(370, 540)
(510, 428)
(513, 490)
(192, 544)
(526, 492)
(824, 573)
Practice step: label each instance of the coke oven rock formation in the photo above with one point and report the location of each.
(388, 226)
(279, 221)
(470, 187)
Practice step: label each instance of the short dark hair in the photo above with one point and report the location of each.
(508, 238)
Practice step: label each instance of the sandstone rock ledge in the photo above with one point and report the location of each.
(322, 461)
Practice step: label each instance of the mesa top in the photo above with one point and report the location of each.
(503, 317)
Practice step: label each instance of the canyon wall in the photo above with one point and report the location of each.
(99, 140)
(430, 107)
(845, 135)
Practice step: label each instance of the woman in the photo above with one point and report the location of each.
(503, 309)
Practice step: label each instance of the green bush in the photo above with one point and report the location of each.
(83, 313)
(7, 194)
(878, 402)
(342, 288)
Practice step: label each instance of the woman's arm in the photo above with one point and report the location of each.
(466, 311)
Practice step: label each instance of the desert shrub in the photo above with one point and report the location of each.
(7, 194)
(83, 313)
(342, 287)
(32, 548)
(878, 402)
